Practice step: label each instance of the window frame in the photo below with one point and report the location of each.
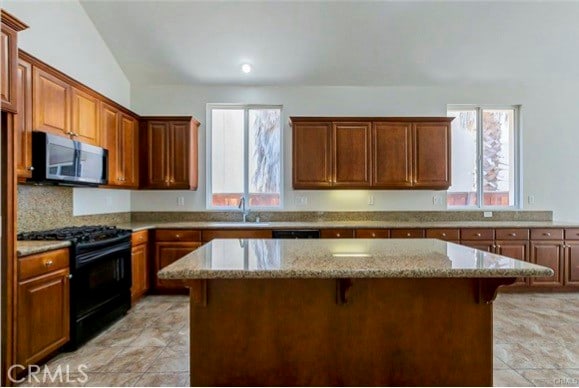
(517, 157)
(209, 157)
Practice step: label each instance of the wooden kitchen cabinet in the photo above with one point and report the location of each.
(372, 233)
(23, 122)
(337, 233)
(120, 137)
(312, 155)
(43, 305)
(85, 117)
(139, 265)
(392, 155)
(351, 154)
(549, 254)
(446, 234)
(432, 155)
(51, 103)
(170, 246)
(371, 152)
(9, 28)
(407, 233)
(208, 235)
(572, 257)
(168, 151)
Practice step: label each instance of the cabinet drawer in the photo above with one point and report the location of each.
(512, 234)
(337, 233)
(477, 234)
(571, 234)
(140, 237)
(178, 235)
(546, 234)
(42, 263)
(372, 233)
(209, 235)
(407, 233)
(443, 234)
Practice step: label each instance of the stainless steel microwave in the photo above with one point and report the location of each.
(62, 161)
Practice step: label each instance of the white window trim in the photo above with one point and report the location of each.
(208, 157)
(518, 156)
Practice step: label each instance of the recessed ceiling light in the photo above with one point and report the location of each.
(246, 68)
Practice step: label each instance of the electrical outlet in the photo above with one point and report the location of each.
(301, 200)
(370, 200)
(531, 199)
(180, 201)
(436, 200)
(487, 214)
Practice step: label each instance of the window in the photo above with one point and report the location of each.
(244, 156)
(485, 161)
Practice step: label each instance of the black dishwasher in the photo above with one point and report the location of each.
(293, 233)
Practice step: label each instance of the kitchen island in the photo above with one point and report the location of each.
(343, 312)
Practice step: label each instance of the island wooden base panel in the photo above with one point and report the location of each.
(299, 332)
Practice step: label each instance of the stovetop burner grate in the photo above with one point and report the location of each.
(76, 233)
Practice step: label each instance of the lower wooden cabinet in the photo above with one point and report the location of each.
(139, 265)
(572, 263)
(337, 233)
(514, 249)
(549, 254)
(167, 253)
(43, 306)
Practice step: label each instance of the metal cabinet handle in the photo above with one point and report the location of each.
(337, 234)
(177, 236)
(31, 168)
(408, 234)
(513, 234)
(172, 180)
(48, 263)
(478, 234)
(443, 234)
(547, 234)
(373, 234)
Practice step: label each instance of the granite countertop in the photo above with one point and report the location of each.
(26, 248)
(136, 226)
(352, 258)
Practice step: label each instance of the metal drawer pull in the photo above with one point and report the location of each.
(48, 263)
(177, 236)
(513, 234)
(373, 234)
(443, 234)
(546, 234)
(478, 234)
(408, 234)
(337, 234)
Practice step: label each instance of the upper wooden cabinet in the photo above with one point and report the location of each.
(85, 117)
(432, 155)
(312, 155)
(120, 137)
(51, 105)
(351, 154)
(371, 152)
(169, 153)
(9, 28)
(23, 122)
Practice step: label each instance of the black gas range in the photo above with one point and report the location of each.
(100, 284)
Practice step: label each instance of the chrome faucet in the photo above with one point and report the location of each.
(243, 208)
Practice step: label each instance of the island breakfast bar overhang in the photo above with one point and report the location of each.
(347, 313)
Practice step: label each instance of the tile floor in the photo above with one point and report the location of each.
(536, 343)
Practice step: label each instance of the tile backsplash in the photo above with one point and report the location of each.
(49, 207)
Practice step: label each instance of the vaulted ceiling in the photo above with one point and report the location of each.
(341, 43)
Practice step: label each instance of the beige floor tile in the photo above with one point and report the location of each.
(509, 378)
(547, 377)
(90, 358)
(164, 380)
(499, 364)
(155, 336)
(171, 360)
(117, 337)
(109, 379)
(133, 360)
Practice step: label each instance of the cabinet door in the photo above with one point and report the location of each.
(179, 144)
(8, 55)
(407, 233)
(51, 103)
(312, 162)
(43, 316)
(488, 246)
(392, 156)
(85, 117)
(157, 175)
(516, 250)
(140, 271)
(572, 263)
(129, 151)
(337, 233)
(432, 155)
(23, 121)
(112, 142)
(549, 254)
(167, 253)
(351, 154)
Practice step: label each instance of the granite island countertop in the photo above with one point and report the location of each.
(351, 258)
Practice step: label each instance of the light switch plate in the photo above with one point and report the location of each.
(487, 214)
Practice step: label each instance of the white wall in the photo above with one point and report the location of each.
(61, 34)
(87, 201)
(550, 135)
